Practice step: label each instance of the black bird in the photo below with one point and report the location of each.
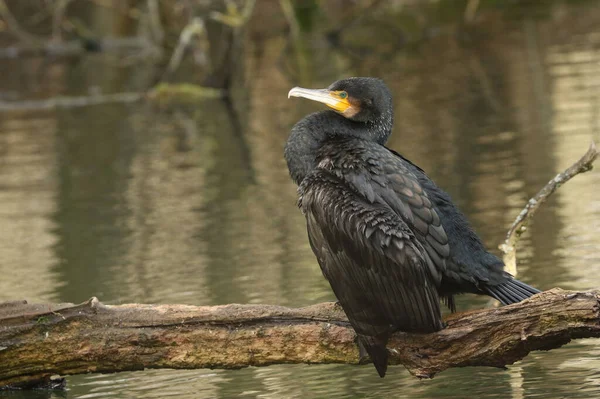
(389, 241)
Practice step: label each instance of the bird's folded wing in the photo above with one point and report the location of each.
(378, 268)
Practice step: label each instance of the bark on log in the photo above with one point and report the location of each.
(38, 341)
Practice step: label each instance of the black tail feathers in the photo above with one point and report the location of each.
(376, 348)
(511, 291)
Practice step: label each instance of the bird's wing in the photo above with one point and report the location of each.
(378, 268)
(396, 186)
(381, 177)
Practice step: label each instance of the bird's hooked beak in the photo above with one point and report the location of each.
(338, 100)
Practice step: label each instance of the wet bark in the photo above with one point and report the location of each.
(39, 341)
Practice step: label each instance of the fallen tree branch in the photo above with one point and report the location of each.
(519, 226)
(75, 48)
(71, 102)
(161, 93)
(38, 341)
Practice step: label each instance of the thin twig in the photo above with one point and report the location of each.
(300, 51)
(158, 33)
(194, 29)
(13, 25)
(471, 11)
(58, 17)
(508, 248)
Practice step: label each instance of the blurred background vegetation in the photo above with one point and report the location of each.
(204, 42)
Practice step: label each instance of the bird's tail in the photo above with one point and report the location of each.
(376, 348)
(511, 291)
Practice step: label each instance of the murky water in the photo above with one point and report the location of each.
(165, 205)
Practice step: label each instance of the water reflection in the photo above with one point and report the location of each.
(195, 205)
(94, 158)
(28, 196)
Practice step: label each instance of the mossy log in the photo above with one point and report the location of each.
(40, 341)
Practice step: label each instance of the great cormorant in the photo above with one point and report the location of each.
(390, 242)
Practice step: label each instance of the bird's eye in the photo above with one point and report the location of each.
(343, 95)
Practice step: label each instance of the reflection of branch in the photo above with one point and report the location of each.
(520, 224)
(135, 336)
(13, 25)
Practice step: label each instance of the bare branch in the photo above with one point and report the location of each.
(71, 102)
(519, 226)
(158, 33)
(161, 93)
(471, 11)
(13, 25)
(195, 29)
(75, 48)
(41, 340)
(60, 10)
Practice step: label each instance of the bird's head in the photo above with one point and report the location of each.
(358, 99)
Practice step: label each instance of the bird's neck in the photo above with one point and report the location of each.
(312, 132)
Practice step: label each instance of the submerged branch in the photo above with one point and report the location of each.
(38, 341)
(519, 226)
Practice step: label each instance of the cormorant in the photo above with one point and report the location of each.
(390, 242)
